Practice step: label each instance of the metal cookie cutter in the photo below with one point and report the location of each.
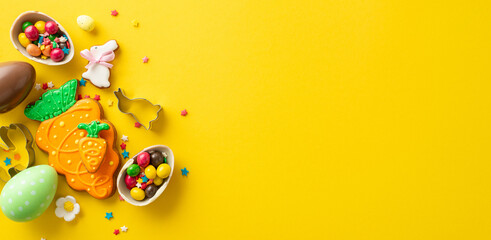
(11, 166)
(125, 103)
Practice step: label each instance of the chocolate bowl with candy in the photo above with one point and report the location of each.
(16, 81)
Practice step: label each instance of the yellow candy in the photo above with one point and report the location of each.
(137, 194)
(163, 171)
(150, 172)
(40, 26)
(86, 23)
(158, 181)
(23, 40)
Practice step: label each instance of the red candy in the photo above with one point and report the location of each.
(144, 185)
(130, 181)
(51, 27)
(32, 33)
(57, 54)
(143, 159)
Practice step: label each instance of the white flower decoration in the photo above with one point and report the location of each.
(67, 207)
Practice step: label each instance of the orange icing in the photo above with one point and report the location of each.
(62, 140)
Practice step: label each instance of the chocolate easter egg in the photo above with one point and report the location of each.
(16, 81)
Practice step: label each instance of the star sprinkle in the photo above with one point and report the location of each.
(109, 215)
(123, 146)
(43, 238)
(109, 103)
(82, 82)
(126, 154)
(51, 85)
(7, 161)
(139, 180)
(139, 185)
(135, 23)
(87, 96)
(114, 12)
(138, 125)
(145, 59)
(97, 97)
(45, 86)
(184, 112)
(124, 138)
(38, 86)
(79, 97)
(44, 57)
(65, 51)
(184, 172)
(121, 198)
(144, 179)
(62, 39)
(116, 231)
(124, 229)
(17, 156)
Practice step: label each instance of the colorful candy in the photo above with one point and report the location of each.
(137, 194)
(51, 27)
(163, 171)
(133, 170)
(57, 54)
(36, 40)
(33, 50)
(32, 33)
(145, 177)
(150, 172)
(25, 25)
(40, 25)
(24, 41)
(143, 159)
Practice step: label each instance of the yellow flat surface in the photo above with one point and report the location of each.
(327, 119)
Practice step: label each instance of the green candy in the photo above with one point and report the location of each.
(133, 170)
(55, 45)
(52, 37)
(35, 42)
(25, 25)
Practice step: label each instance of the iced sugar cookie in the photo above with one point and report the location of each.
(98, 67)
(72, 130)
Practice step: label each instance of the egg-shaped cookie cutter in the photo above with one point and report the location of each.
(10, 146)
(124, 100)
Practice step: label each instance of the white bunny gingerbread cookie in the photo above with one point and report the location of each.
(98, 67)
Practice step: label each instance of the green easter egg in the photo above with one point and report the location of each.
(52, 37)
(25, 25)
(133, 170)
(29, 193)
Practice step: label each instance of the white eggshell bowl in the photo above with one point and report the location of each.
(34, 16)
(125, 192)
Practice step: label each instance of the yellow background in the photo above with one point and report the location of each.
(328, 119)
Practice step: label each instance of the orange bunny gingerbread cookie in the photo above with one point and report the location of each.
(79, 142)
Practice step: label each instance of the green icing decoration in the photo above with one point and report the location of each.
(93, 128)
(53, 102)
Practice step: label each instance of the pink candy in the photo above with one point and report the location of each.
(143, 159)
(51, 27)
(57, 55)
(32, 33)
(130, 181)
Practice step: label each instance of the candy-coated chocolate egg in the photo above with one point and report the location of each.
(23, 40)
(57, 55)
(130, 181)
(143, 159)
(25, 25)
(151, 190)
(156, 158)
(133, 170)
(51, 27)
(163, 171)
(47, 50)
(86, 23)
(150, 172)
(32, 33)
(40, 25)
(137, 194)
(33, 50)
(29, 193)
(158, 181)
